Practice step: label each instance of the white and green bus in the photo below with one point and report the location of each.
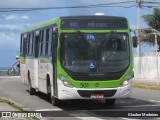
(78, 57)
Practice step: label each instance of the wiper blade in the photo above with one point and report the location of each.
(81, 36)
(106, 39)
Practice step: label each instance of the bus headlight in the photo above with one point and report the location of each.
(65, 81)
(127, 80)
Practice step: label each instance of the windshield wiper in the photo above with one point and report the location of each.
(84, 41)
(107, 38)
(81, 35)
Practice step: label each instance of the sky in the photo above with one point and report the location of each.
(12, 23)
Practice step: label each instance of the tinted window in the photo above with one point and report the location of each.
(28, 44)
(31, 44)
(41, 42)
(21, 46)
(50, 42)
(47, 42)
(95, 52)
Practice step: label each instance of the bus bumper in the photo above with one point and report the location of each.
(65, 93)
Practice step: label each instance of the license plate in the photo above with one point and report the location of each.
(97, 96)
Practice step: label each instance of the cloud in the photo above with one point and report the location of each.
(14, 26)
(16, 17)
(51, 3)
(9, 41)
(11, 17)
(28, 3)
(113, 11)
(24, 17)
(101, 1)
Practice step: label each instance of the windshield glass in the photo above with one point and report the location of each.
(94, 52)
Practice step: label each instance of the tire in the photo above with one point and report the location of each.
(54, 101)
(110, 101)
(11, 72)
(30, 89)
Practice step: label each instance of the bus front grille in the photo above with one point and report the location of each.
(88, 93)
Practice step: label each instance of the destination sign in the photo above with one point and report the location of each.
(83, 24)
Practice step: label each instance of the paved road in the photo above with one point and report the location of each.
(141, 100)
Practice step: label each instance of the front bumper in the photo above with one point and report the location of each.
(65, 93)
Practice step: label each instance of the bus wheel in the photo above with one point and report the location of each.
(54, 101)
(30, 89)
(110, 101)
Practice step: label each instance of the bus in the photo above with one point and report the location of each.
(78, 57)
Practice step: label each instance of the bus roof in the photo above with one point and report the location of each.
(93, 16)
(41, 25)
(55, 20)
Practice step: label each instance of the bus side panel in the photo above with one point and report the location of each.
(45, 68)
(23, 48)
(30, 71)
(35, 72)
(23, 70)
(42, 75)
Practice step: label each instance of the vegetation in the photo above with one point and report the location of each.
(153, 21)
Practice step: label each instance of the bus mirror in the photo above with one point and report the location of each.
(134, 38)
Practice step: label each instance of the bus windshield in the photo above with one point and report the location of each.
(94, 52)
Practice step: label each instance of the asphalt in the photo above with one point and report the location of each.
(5, 104)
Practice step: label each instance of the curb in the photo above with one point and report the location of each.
(2, 77)
(17, 107)
(146, 86)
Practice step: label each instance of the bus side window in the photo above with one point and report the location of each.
(24, 51)
(28, 44)
(36, 43)
(33, 40)
(50, 42)
(47, 42)
(54, 40)
(21, 46)
(31, 44)
(41, 42)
